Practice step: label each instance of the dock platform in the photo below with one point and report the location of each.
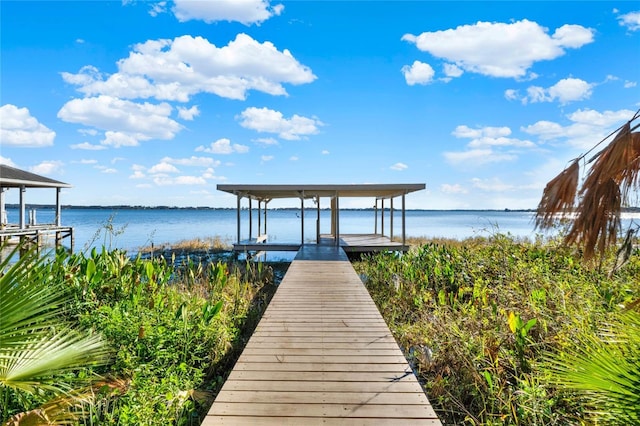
(321, 354)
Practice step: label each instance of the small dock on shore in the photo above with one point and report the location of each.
(30, 231)
(322, 354)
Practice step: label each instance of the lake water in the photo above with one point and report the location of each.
(141, 227)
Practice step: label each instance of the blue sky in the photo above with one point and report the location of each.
(155, 103)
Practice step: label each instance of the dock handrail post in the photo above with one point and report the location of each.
(265, 216)
(337, 220)
(239, 197)
(391, 221)
(404, 226)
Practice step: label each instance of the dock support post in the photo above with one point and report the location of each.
(391, 221)
(250, 220)
(382, 217)
(58, 208)
(265, 217)
(404, 225)
(337, 220)
(302, 217)
(239, 197)
(375, 213)
(22, 207)
(318, 221)
(259, 211)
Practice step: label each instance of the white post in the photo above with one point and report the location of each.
(404, 226)
(302, 218)
(22, 207)
(337, 220)
(238, 196)
(391, 221)
(58, 207)
(3, 210)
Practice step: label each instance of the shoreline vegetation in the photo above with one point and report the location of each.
(493, 327)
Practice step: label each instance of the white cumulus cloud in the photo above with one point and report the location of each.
(452, 189)
(19, 128)
(564, 91)
(163, 168)
(630, 20)
(245, 11)
(585, 129)
(399, 167)
(418, 73)
(269, 121)
(223, 146)
(126, 122)
(47, 168)
(500, 49)
(175, 70)
(188, 113)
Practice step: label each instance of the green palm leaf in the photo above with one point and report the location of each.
(36, 345)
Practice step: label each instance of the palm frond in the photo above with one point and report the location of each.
(558, 197)
(36, 345)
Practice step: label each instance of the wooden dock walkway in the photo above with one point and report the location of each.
(322, 354)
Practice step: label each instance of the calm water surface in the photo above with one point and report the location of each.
(135, 228)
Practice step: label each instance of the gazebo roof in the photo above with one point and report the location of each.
(10, 177)
(269, 192)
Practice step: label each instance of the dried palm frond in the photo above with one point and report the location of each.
(598, 221)
(558, 197)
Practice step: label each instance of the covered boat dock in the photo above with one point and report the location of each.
(381, 238)
(31, 230)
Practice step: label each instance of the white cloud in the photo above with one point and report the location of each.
(192, 161)
(88, 132)
(418, 73)
(491, 185)
(126, 122)
(163, 167)
(7, 161)
(587, 127)
(564, 91)
(158, 8)
(270, 121)
(19, 128)
(630, 20)
(86, 161)
(451, 70)
(464, 131)
(500, 49)
(188, 113)
(477, 157)
(266, 141)
(294, 158)
(266, 158)
(137, 174)
(87, 146)
(399, 167)
(177, 69)
(179, 180)
(47, 168)
(452, 189)
(511, 94)
(325, 152)
(108, 170)
(223, 146)
(630, 84)
(245, 11)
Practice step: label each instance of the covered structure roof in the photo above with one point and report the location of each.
(270, 192)
(10, 177)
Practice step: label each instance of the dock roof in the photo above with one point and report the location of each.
(269, 192)
(10, 177)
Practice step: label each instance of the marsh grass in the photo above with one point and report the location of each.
(478, 319)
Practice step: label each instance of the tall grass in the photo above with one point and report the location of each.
(480, 319)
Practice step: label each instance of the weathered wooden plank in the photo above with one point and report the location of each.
(276, 397)
(253, 350)
(322, 376)
(324, 410)
(315, 366)
(366, 359)
(291, 386)
(312, 421)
